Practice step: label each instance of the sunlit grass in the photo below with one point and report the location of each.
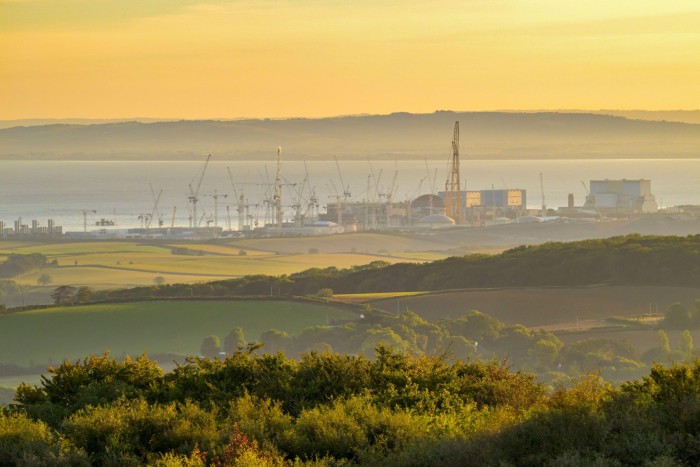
(368, 297)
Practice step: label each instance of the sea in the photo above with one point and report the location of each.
(126, 191)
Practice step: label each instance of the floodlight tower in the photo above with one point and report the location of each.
(85, 213)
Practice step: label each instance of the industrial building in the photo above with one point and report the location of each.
(621, 196)
(21, 230)
(481, 205)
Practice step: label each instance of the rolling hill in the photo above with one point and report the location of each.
(504, 135)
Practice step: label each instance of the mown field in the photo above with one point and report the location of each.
(124, 264)
(166, 327)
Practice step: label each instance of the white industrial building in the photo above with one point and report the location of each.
(621, 196)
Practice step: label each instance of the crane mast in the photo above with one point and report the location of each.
(544, 204)
(453, 197)
(277, 198)
(194, 192)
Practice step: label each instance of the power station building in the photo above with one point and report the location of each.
(621, 196)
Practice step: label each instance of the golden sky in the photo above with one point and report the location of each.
(312, 58)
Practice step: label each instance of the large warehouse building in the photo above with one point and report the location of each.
(621, 196)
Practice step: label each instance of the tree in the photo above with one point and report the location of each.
(211, 346)
(687, 343)
(84, 293)
(276, 341)
(325, 293)
(159, 280)
(234, 340)
(678, 317)
(44, 279)
(64, 295)
(663, 342)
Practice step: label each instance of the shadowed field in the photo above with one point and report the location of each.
(167, 327)
(572, 313)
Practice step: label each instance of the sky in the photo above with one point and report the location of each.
(199, 59)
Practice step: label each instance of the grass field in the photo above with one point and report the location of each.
(176, 327)
(371, 297)
(574, 313)
(125, 264)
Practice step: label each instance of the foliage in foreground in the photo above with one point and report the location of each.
(330, 409)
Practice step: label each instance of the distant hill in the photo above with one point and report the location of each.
(484, 135)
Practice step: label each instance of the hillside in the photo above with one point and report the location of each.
(400, 135)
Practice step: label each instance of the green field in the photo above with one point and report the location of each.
(174, 327)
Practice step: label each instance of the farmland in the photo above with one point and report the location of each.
(103, 265)
(572, 313)
(176, 327)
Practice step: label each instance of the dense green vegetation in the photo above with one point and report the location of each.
(330, 409)
(627, 260)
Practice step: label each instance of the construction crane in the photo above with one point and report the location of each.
(544, 204)
(243, 206)
(585, 188)
(339, 202)
(340, 195)
(453, 197)
(431, 182)
(346, 188)
(216, 197)
(85, 213)
(172, 223)
(277, 197)
(156, 200)
(194, 192)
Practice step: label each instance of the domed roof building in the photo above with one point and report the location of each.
(426, 205)
(435, 221)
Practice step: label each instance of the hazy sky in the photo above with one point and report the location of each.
(310, 58)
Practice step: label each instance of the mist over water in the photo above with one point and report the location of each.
(120, 190)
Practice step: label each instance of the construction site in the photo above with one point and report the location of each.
(280, 207)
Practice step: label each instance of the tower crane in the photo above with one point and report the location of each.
(339, 203)
(346, 188)
(216, 197)
(156, 200)
(277, 197)
(544, 204)
(243, 206)
(585, 188)
(194, 192)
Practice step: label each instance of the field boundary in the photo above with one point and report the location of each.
(353, 307)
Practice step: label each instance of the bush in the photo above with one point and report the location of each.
(27, 442)
(128, 431)
(44, 279)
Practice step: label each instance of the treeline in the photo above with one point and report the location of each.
(626, 260)
(474, 335)
(16, 265)
(333, 410)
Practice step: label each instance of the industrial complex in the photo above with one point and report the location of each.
(377, 211)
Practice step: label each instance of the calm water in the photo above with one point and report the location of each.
(120, 190)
